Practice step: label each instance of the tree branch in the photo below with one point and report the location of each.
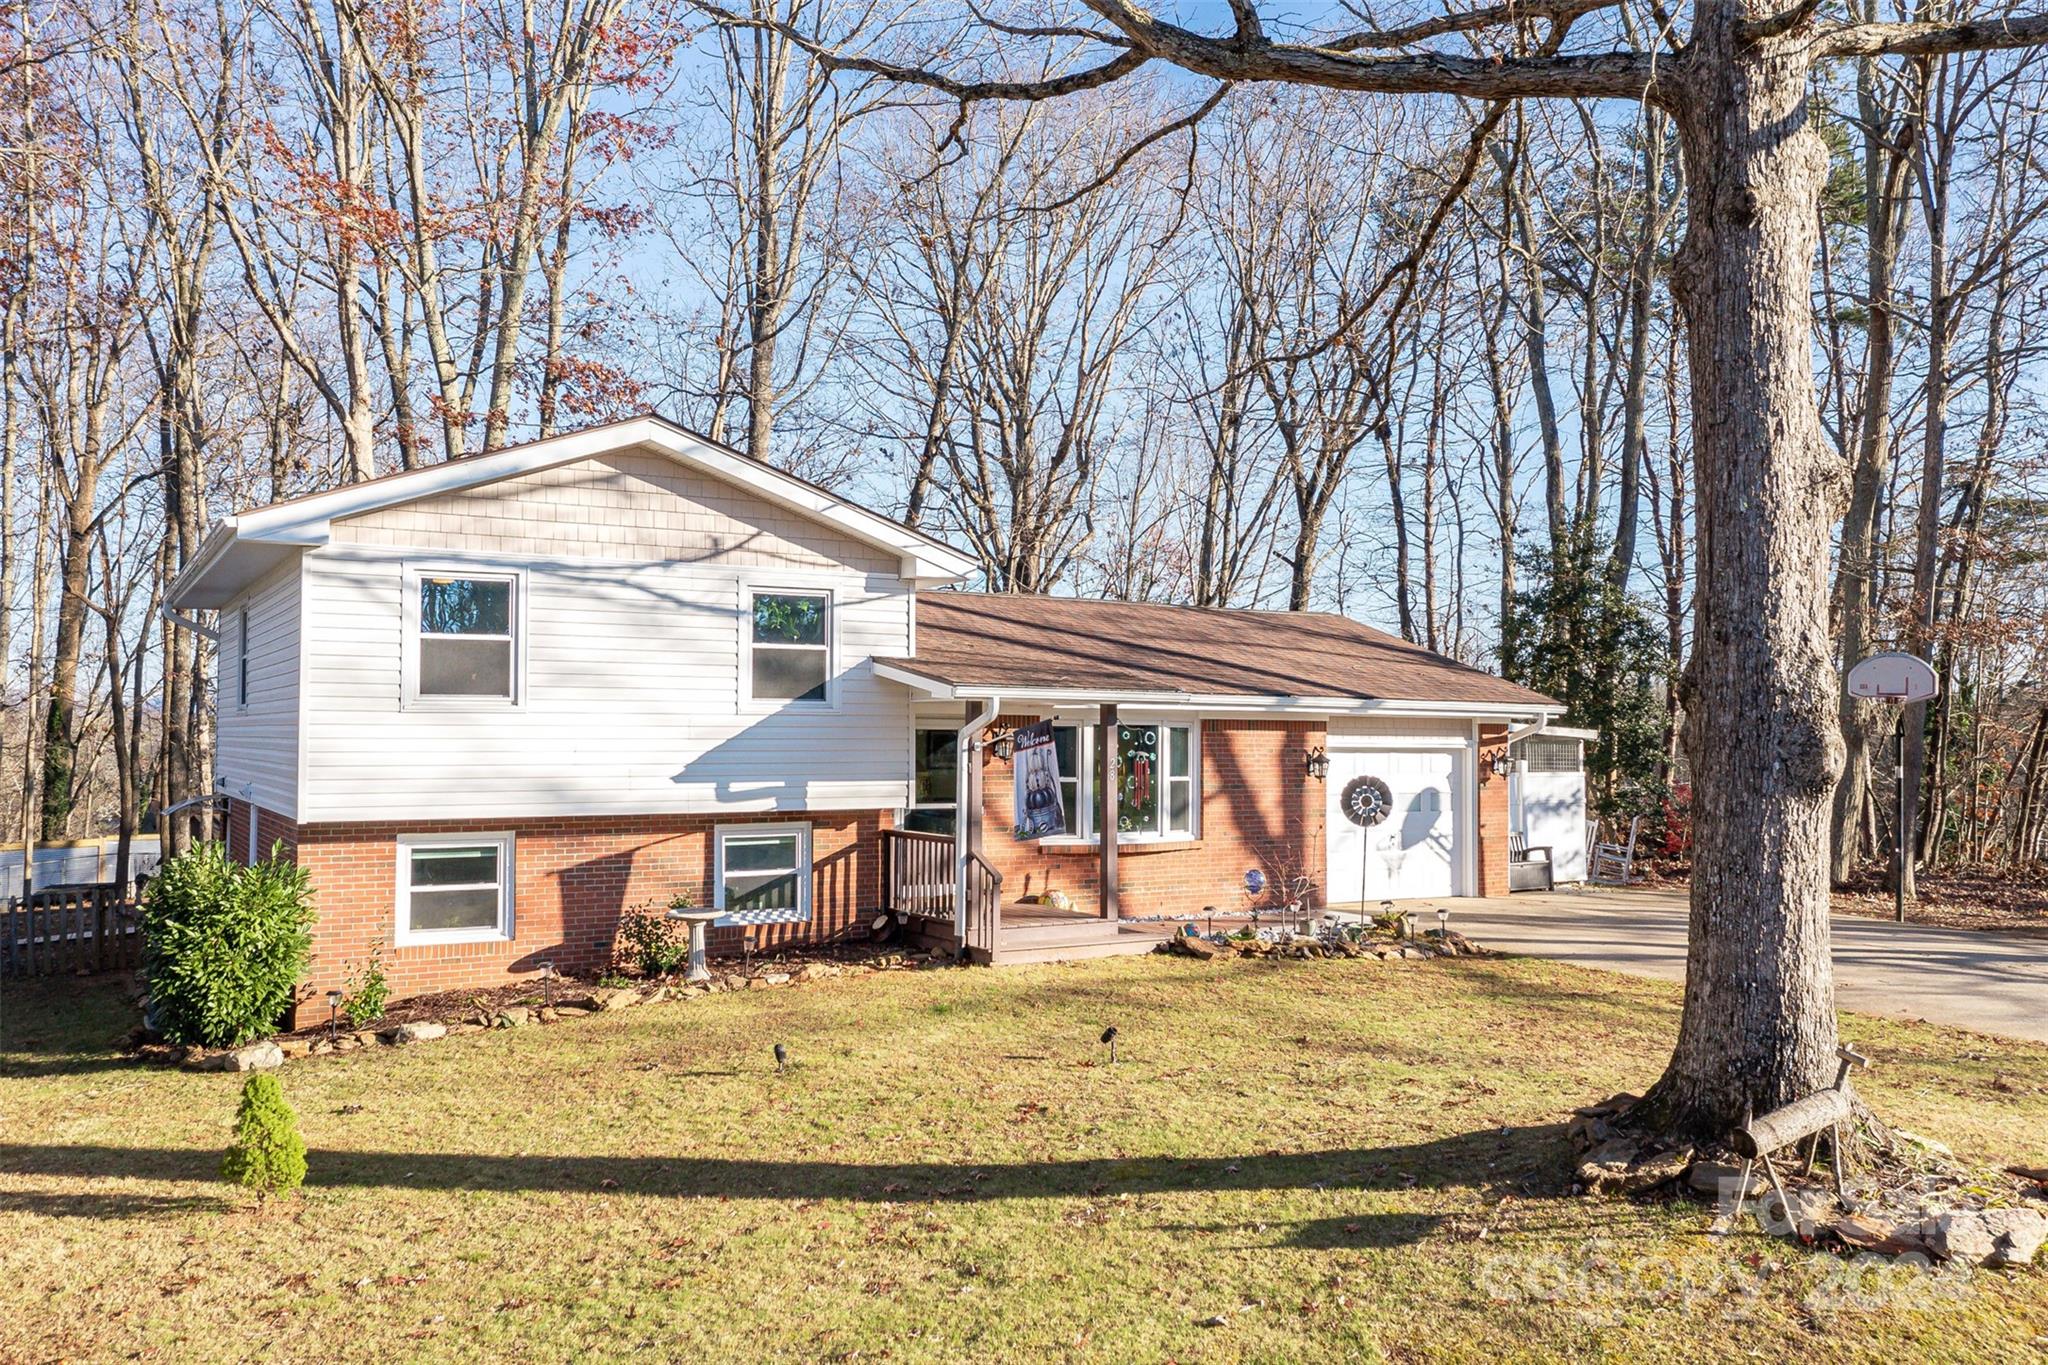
(1932, 40)
(1376, 39)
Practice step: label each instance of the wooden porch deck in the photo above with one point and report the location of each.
(1038, 933)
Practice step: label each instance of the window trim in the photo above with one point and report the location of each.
(404, 935)
(748, 593)
(805, 873)
(415, 575)
(1084, 782)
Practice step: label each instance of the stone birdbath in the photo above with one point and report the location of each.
(699, 920)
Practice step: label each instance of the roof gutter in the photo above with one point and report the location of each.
(963, 823)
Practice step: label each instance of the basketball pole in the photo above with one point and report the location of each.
(1899, 832)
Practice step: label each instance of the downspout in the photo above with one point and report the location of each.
(964, 822)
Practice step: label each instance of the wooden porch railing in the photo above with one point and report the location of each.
(917, 880)
(917, 873)
(68, 930)
(984, 905)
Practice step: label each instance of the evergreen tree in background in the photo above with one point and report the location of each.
(1574, 635)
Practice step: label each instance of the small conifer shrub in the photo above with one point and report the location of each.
(267, 1155)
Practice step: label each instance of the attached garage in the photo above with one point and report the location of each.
(1422, 847)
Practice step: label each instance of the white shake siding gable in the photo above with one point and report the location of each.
(256, 752)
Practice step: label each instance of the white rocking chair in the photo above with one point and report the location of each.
(1616, 862)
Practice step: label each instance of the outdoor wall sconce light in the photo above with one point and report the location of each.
(1317, 764)
(1001, 745)
(333, 1008)
(1498, 765)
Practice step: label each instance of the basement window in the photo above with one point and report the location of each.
(454, 889)
(763, 874)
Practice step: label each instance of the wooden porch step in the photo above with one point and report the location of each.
(1067, 942)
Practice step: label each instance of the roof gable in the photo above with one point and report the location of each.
(250, 543)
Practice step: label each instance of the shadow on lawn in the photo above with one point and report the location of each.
(1465, 1160)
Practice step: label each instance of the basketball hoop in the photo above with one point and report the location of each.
(1899, 679)
(1894, 677)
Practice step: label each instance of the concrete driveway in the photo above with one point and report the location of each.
(1993, 983)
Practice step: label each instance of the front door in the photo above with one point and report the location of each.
(1415, 851)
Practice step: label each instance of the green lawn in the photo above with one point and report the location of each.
(1341, 1160)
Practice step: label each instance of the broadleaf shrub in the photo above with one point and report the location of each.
(267, 1154)
(366, 991)
(224, 946)
(657, 945)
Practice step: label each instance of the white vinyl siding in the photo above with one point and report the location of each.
(631, 697)
(256, 754)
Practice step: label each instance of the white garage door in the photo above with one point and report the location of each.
(1417, 849)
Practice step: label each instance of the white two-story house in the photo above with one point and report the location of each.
(492, 704)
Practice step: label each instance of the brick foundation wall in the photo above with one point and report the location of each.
(1259, 809)
(572, 880)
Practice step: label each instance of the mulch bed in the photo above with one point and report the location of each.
(2011, 900)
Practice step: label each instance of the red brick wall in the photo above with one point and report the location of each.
(1493, 815)
(1259, 809)
(572, 880)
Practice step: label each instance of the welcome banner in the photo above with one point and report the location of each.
(1036, 770)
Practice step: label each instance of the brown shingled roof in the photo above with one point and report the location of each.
(1060, 643)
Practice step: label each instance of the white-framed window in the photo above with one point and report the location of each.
(242, 657)
(1159, 764)
(935, 780)
(789, 646)
(454, 888)
(762, 874)
(464, 627)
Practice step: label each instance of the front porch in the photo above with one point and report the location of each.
(920, 885)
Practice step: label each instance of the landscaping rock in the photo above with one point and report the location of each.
(1994, 1237)
(297, 1047)
(263, 1056)
(1620, 1166)
(1196, 947)
(1723, 1181)
(420, 1031)
(625, 997)
(513, 1016)
(366, 1037)
(588, 1003)
(573, 1011)
(655, 996)
(1861, 1234)
(775, 979)
(321, 1047)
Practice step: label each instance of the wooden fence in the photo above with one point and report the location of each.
(69, 931)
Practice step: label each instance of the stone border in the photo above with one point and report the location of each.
(575, 1002)
(1433, 944)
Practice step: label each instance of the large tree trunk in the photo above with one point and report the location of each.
(1759, 1021)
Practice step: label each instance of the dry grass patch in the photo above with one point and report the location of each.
(1336, 1160)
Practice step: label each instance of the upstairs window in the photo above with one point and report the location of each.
(790, 649)
(466, 641)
